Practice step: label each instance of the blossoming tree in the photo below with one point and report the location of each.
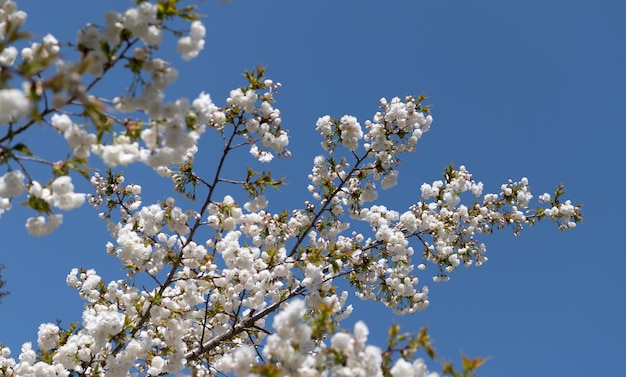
(228, 285)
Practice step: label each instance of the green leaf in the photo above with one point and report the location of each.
(38, 204)
(20, 147)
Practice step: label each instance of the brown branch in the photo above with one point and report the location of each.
(305, 232)
(239, 327)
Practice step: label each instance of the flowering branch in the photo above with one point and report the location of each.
(215, 270)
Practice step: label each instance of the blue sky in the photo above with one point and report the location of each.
(532, 88)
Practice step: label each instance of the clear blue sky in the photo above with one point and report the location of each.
(533, 88)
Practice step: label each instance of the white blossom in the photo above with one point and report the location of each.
(14, 105)
(40, 226)
(12, 184)
(190, 46)
(215, 286)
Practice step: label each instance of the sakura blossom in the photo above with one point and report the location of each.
(217, 279)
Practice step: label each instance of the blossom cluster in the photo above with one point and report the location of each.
(292, 352)
(59, 193)
(131, 36)
(206, 276)
(14, 103)
(208, 308)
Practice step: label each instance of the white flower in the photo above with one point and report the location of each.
(390, 180)
(204, 108)
(403, 368)
(190, 46)
(156, 367)
(48, 336)
(244, 101)
(256, 204)
(5, 205)
(343, 343)
(12, 184)
(63, 195)
(14, 105)
(567, 209)
(77, 138)
(8, 55)
(197, 30)
(544, 198)
(51, 44)
(113, 27)
(351, 132)
(262, 156)
(324, 125)
(37, 226)
(101, 322)
(369, 193)
(122, 153)
(62, 185)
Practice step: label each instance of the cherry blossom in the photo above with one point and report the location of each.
(231, 284)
